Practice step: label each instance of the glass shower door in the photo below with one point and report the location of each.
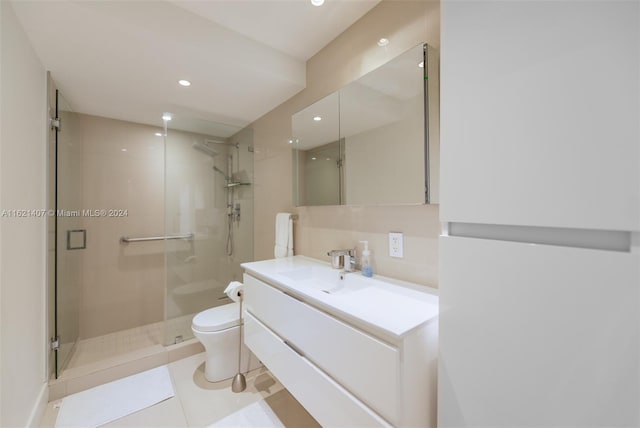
(208, 196)
(69, 236)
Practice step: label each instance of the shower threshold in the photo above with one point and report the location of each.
(102, 359)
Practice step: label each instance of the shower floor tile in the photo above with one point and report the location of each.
(94, 350)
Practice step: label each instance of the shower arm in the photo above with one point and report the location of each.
(236, 145)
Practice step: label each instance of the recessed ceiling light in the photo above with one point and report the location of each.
(158, 134)
(383, 42)
(167, 116)
(421, 65)
(183, 82)
(290, 141)
(317, 2)
(328, 158)
(317, 118)
(314, 158)
(123, 150)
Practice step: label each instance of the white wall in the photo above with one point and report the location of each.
(560, 105)
(1, 182)
(540, 107)
(23, 169)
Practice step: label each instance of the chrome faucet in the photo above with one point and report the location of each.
(337, 258)
(351, 260)
(346, 259)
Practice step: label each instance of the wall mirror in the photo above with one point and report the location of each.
(373, 142)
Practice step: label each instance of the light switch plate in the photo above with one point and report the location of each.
(396, 245)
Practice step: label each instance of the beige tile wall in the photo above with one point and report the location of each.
(319, 229)
(126, 285)
(122, 285)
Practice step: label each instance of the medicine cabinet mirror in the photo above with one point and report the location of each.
(375, 141)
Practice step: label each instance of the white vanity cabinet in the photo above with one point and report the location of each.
(345, 370)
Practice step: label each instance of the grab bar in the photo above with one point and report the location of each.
(126, 239)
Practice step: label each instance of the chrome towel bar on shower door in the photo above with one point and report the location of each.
(126, 239)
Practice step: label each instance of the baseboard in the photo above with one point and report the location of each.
(39, 407)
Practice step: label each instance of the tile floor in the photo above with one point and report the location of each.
(94, 349)
(199, 403)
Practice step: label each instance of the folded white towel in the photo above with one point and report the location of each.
(284, 236)
(234, 290)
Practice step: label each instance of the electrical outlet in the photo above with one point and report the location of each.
(396, 244)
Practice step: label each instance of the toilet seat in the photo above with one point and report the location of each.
(218, 318)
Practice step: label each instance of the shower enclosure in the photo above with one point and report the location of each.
(148, 224)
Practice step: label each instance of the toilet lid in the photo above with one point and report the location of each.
(218, 318)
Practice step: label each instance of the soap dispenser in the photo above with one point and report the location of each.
(367, 269)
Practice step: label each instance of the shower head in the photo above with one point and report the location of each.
(215, 168)
(204, 148)
(236, 145)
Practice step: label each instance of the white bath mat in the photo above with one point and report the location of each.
(114, 400)
(258, 414)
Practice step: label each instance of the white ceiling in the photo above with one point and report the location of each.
(122, 59)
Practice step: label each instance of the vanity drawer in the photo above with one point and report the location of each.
(327, 401)
(362, 364)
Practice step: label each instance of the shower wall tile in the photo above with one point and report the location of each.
(123, 169)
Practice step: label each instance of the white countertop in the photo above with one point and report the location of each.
(381, 305)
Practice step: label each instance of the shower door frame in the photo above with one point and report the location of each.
(57, 334)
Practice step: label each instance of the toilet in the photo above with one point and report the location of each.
(218, 330)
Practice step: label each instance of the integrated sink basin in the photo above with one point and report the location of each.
(326, 280)
(383, 305)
